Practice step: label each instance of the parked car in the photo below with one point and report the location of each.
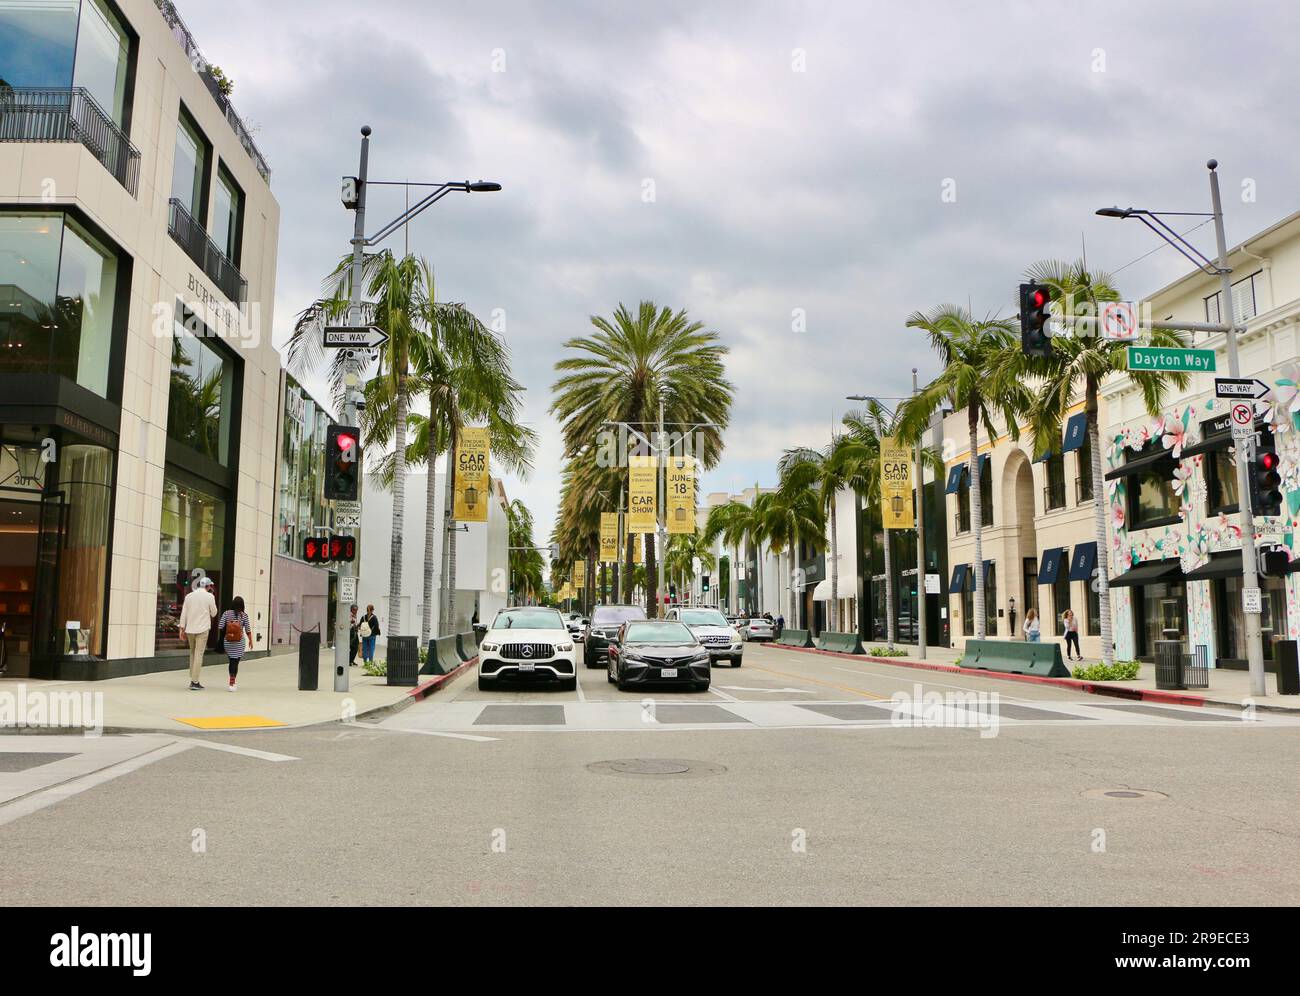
(712, 629)
(605, 621)
(529, 643)
(653, 652)
(574, 622)
(760, 629)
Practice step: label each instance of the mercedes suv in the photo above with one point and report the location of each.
(713, 630)
(529, 643)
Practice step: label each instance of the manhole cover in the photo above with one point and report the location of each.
(1124, 794)
(656, 767)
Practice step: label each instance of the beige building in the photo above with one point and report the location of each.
(138, 384)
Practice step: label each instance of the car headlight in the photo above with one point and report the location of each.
(701, 658)
(489, 647)
(564, 648)
(735, 634)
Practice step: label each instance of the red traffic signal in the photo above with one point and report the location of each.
(1035, 333)
(1264, 476)
(342, 463)
(316, 549)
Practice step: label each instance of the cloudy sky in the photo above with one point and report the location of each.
(847, 162)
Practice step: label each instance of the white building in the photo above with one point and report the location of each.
(139, 389)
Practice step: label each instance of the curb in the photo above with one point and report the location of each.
(421, 692)
(1090, 687)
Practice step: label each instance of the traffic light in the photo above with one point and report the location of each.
(343, 549)
(704, 586)
(1265, 479)
(1035, 333)
(1274, 561)
(342, 463)
(316, 549)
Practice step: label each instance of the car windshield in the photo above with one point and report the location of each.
(615, 615)
(703, 617)
(664, 634)
(528, 619)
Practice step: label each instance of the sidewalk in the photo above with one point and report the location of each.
(1227, 688)
(268, 697)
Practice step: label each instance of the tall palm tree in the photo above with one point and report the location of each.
(636, 367)
(397, 296)
(981, 361)
(1084, 361)
(684, 551)
(736, 524)
(793, 515)
(525, 559)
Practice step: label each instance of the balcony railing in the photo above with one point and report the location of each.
(1054, 496)
(69, 114)
(1082, 490)
(187, 42)
(191, 237)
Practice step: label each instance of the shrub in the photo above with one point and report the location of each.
(886, 652)
(376, 669)
(1119, 671)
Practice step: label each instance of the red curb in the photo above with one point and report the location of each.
(1091, 687)
(433, 684)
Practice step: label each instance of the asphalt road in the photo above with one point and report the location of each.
(788, 783)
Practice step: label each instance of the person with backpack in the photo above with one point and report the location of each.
(368, 630)
(234, 628)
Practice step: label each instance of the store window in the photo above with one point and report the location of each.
(199, 402)
(968, 608)
(1159, 613)
(1221, 482)
(1094, 608)
(58, 299)
(991, 599)
(191, 544)
(1230, 619)
(1151, 498)
(1060, 600)
(85, 489)
(302, 511)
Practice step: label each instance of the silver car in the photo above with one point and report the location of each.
(759, 629)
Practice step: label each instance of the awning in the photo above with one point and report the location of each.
(1076, 432)
(1050, 567)
(955, 474)
(1150, 572)
(822, 593)
(1224, 564)
(958, 583)
(1084, 561)
(1216, 434)
(1044, 456)
(1144, 463)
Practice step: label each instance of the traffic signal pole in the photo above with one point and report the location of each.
(1249, 565)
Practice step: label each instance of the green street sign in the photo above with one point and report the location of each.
(1179, 360)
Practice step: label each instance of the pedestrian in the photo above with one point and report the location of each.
(1071, 622)
(780, 623)
(1032, 631)
(368, 630)
(234, 628)
(197, 612)
(354, 641)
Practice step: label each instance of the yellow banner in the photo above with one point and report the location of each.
(642, 506)
(609, 537)
(579, 574)
(638, 551)
(472, 488)
(681, 496)
(895, 484)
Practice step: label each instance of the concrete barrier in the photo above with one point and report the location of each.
(841, 643)
(795, 638)
(442, 656)
(466, 646)
(1015, 657)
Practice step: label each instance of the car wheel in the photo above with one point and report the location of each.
(483, 684)
(735, 662)
(623, 686)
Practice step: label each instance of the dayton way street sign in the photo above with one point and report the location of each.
(1239, 387)
(1162, 358)
(354, 336)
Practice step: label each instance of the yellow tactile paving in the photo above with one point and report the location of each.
(226, 722)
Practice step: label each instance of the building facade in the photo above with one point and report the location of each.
(138, 384)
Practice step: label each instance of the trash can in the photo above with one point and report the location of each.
(308, 662)
(403, 660)
(1288, 667)
(1169, 664)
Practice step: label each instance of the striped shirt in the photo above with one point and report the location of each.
(236, 649)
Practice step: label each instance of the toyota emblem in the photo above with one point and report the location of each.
(528, 651)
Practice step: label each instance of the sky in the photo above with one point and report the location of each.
(800, 177)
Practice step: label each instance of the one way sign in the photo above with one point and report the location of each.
(1239, 387)
(354, 336)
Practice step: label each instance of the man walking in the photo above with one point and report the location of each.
(197, 612)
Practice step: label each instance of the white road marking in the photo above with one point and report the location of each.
(928, 681)
(577, 682)
(746, 688)
(427, 733)
(721, 694)
(264, 755)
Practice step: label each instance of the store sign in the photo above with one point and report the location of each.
(643, 506)
(895, 484)
(681, 496)
(608, 537)
(472, 485)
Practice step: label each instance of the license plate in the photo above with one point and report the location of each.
(527, 667)
(668, 672)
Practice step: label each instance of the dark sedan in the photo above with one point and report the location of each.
(656, 653)
(605, 621)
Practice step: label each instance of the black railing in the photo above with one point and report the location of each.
(191, 237)
(1054, 496)
(1082, 490)
(69, 114)
(202, 67)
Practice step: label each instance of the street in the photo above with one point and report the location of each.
(787, 783)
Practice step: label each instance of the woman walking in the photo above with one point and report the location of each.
(1032, 631)
(368, 630)
(1071, 623)
(234, 628)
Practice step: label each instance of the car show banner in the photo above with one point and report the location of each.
(472, 487)
(681, 495)
(609, 537)
(895, 484)
(642, 505)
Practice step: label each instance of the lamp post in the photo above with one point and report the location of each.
(354, 199)
(1228, 326)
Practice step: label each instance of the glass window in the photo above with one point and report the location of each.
(199, 395)
(1221, 482)
(1083, 459)
(189, 169)
(58, 297)
(38, 40)
(191, 544)
(1060, 599)
(103, 51)
(86, 480)
(1054, 492)
(986, 494)
(228, 220)
(660, 634)
(1160, 613)
(1094, 608)
(963, 510)
(529, 619)
(968, 608)
(991, 600)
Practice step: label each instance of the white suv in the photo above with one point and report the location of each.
(712, 629)
(528, 643)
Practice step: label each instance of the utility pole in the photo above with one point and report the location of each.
(1250, 575)
(622, 544)
(661, 487)
(347, 569)
(920, 539)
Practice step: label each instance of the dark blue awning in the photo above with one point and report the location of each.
(1050, 567)
(1076, 432)
(964, 481)
(955, 475)
(958, 583)
(1084, 561)
(1043, 456)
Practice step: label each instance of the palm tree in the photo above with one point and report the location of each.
(684, 551)
(981, 361)
(736, 524)
(638, 368)
(525, 559)
(792, 515)
(1083, 360)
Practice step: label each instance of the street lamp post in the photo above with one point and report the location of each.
(1152, 219)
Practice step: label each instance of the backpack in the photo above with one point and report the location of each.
(234, 631)
(363, 630)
